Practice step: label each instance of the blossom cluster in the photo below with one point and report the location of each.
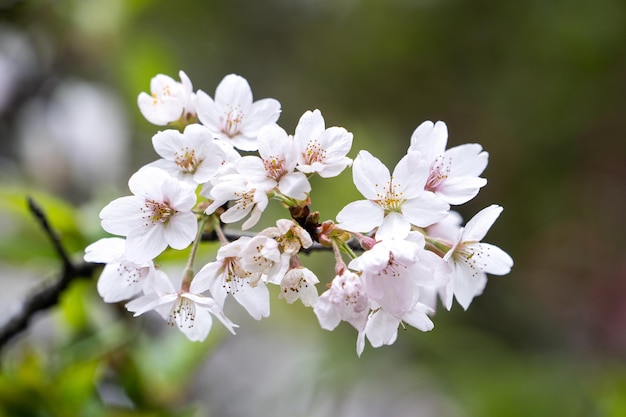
(397, 251)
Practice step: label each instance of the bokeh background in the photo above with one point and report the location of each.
(540, 84)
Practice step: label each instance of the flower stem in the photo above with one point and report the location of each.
(188, 273)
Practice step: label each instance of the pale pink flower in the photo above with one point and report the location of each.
(193, 155)
(232, 116)
(120, 279)
(299, 283)
(228, 276)
(471, 260)
(345, 300)
(168, 101)
(320, 150)
(394, 202)
(454, 173)
(189, 310)
(157, 215)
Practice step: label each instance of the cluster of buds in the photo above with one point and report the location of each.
(412, 249)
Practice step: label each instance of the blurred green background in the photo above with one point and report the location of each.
(540, 84)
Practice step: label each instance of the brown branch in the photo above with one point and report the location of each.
(48, 295)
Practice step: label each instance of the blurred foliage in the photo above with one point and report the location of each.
(540, 84)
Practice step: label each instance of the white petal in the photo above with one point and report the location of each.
(393, 226)
(495, 261)
(478, 226)
(418, 318)
(167, 143)
(369, 174)
(381, 328)
(467, 160)
(105, 250)
(181, 230)
(295, 185)
(122, 215)
(145, 243)
(430, 139)
(425, 209)
(460, 190)
(262, 112)
(234, 90)
(410, 174)
(198, 329)
(117, 282)
(360, 216)
(256, 300)
(468, 283)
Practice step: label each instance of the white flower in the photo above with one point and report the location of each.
(249, 194)
(345, 300)
(233, 117)
(189, 310)
(381, 327)
(289, 235)
(261, 254)
(120, 279)
(192, 156)
(279, 159)
(321, 150)
(454, 173)
(391, 275)
(299, 283)
(394, 202)
(157, 215)
(168, 100)
(471, 260)
(227, 275)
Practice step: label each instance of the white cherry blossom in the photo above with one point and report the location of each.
(471, 260)
(193, 155)
(168, 101)
(157, 215)
(120, 278)
(320, 150)
(454, 173)
(188, 309)
(232, 116)
(227, 275)
(299, 283)
(394, 202)
(391, 274)
(345, 300)
(249, 193)
(381, 327)
(279, 159)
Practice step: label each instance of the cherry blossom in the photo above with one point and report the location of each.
(345, 300)
(320, 150)
(157, 215)
(471, 260)
(227, 275)
(188, 309)
(232, 116)
(394, 202)
(299, 283)
(192, 156)
(454, 173)
(168, 100)
(120, 279)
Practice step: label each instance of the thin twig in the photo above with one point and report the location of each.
(48, 295)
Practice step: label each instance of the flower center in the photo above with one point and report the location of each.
(472, 256)
(186, 160)
(390, 198)
(314, 153)
(183, 312)
(232, 123)
(393, 268)
(439, 172)
(156, 212)
(236, 276)
(274, 167)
